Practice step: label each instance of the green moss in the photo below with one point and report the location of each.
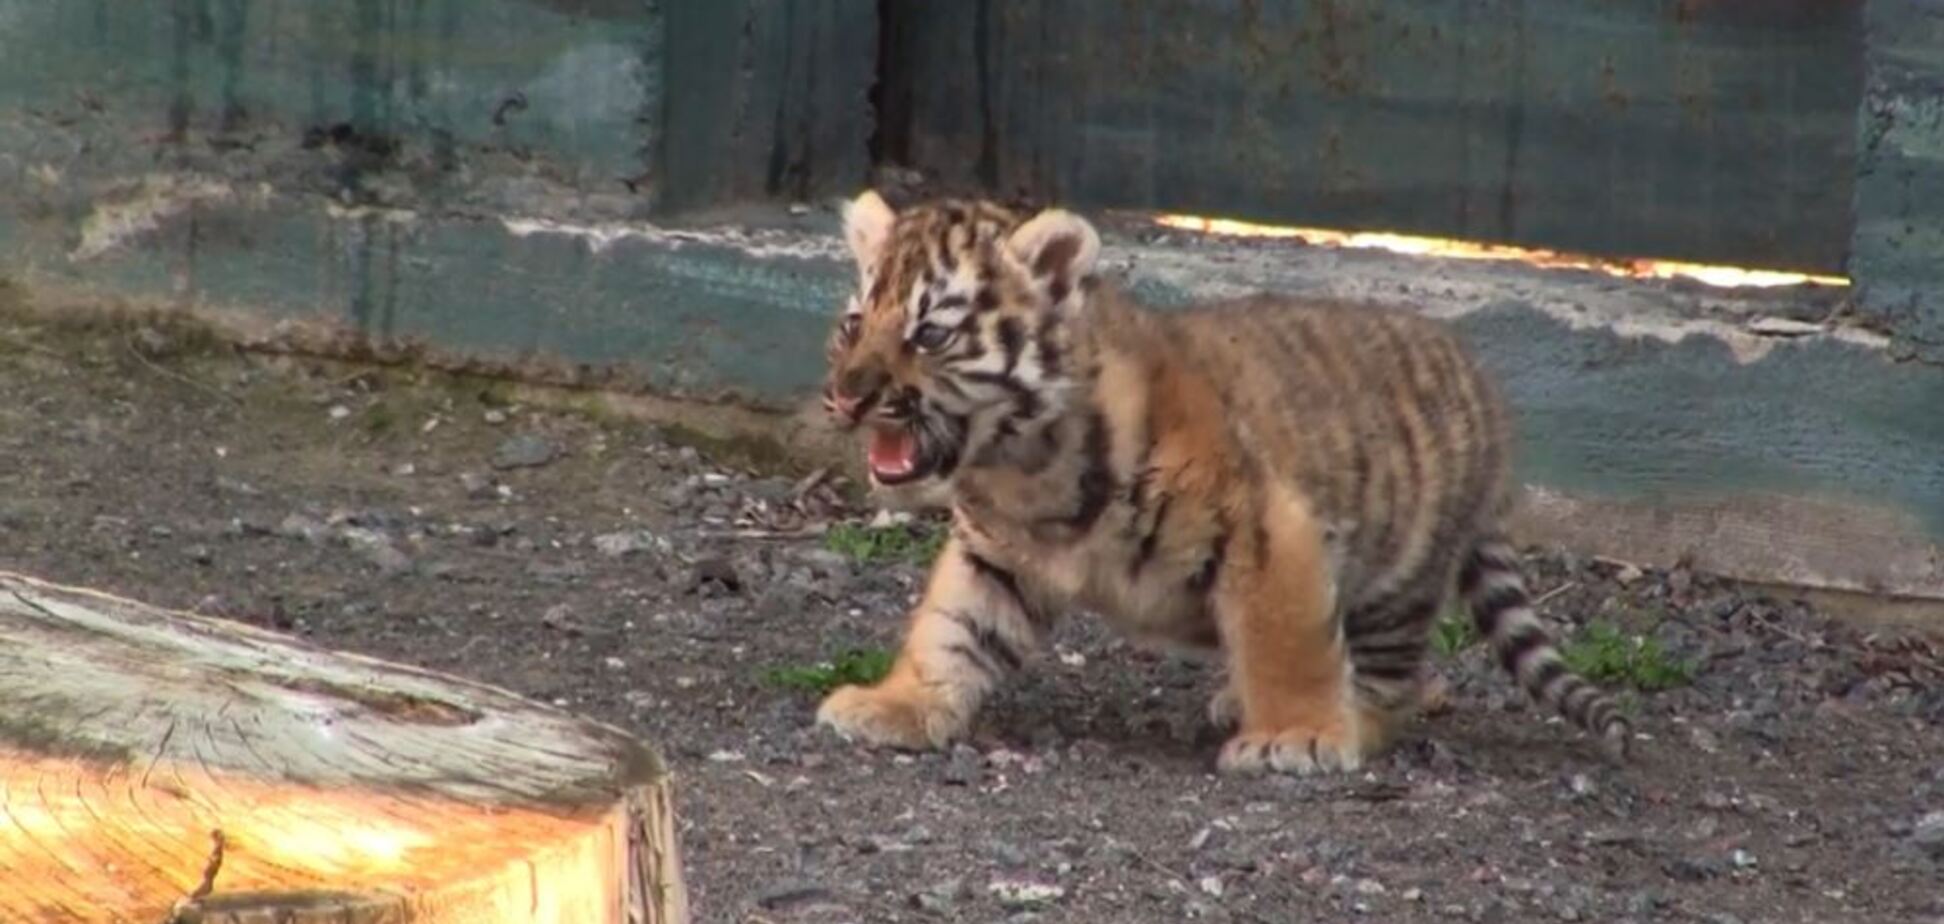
(857, 666)
(1602, 652)
(917, 544)
(1453, 632)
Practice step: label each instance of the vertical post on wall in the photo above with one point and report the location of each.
(1899, 228)
(765, 101)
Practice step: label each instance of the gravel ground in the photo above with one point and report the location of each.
(642, 576)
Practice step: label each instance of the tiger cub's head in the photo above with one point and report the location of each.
(958, 337)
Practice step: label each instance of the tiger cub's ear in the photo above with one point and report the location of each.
(867, 225)
(1057, 247)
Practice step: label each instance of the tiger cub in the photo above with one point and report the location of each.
(1298, 484)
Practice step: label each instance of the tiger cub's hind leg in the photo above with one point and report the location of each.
(1289, 668)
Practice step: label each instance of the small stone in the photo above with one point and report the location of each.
(1412, 894)
(940, 898)
(1928, 834)
(614, 664)
(1693, 869)
(376, 548)
(476, 486)
(1715, 802)
(199, 554)
(524, 451)
(494, 416)
(1742, 859)
(1210, 886)
(1016, 894)
(791, 894)
(718, 571)
(618, 545)
(961, 766)
(1582, 785)
(299, 526)
(339, 412)
(1627, 574)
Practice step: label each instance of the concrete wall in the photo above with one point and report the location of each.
(574, 180)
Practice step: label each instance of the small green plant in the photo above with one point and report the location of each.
(1603, 652)
(914, 543)
(381, 419)
(1453, 632)
(858, 665)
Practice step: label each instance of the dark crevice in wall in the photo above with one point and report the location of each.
(890, 143)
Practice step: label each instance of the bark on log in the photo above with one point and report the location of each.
(164, 767)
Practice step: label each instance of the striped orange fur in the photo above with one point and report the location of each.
(1300, 484)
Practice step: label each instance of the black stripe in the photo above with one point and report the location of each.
(949, 302)
(989, 639)
(1515, 648)
(1204, 578)
(1487, 609)
(1549, 670)
(1026, 402)
(1048, 350)
(924, 304)
(1096, 482)
(986, 300)
(1012, 339)
(1057, 290)
(1145, 552)
(1392, 671)
(976, 658)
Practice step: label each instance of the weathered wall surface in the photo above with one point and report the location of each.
(1718, 132)
(573, 179)
(1898, 250)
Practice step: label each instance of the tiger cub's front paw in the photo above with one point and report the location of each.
(892, 715)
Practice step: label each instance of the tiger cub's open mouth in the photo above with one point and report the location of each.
(895, 455)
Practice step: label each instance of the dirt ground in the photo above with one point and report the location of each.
(635, 574)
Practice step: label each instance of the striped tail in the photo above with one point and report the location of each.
(1496, 592)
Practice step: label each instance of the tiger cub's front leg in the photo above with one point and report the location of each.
(974, 626)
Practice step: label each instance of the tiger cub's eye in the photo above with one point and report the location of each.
(930, 338)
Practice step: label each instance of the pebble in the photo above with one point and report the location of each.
(1928, 834)
(792, 893)
(630, 542)
(299, 526)
(941, 897)
(1211, 886)
(1015, 894)
(524, 451)
(962, 766)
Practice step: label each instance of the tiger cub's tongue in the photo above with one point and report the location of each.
(893, 452)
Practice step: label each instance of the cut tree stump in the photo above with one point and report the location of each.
(163, 767)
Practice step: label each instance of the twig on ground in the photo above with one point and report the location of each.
(128, 343)
(1548, 595)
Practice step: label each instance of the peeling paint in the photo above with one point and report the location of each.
(1450, 289)
(158, 198)
(754, 242)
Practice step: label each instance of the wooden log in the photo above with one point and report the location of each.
(165, 767)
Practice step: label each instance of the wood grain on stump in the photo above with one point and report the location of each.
(159, 767)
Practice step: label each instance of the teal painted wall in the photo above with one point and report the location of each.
(1898, 258)
(1716, 132)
